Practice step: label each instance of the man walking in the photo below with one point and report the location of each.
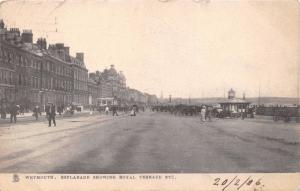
(36, 112)
(13, 113)
(209, 113)
(51, 114)
(114, 110)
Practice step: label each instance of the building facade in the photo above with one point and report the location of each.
(111, 85)
(32, 73)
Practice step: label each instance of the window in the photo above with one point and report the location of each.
(21, 61)
(10, 57)
(32, 81)
(12, 77)
(54, 83)
(20, 79)
(5, 77)
(39, 83)
(1, 75)
(24, 81)
(51, 83)
(36, 82)
(5, 56)
(43, 83)
(46, 83)
(25, 62)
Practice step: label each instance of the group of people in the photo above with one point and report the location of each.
(114, 110)
(133, 110)
(206, 113)
(50, 110)
(50, 113)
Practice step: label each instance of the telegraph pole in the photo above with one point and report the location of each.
(259, 95)
(298, 83)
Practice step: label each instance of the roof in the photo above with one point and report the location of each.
(77, 62)
(32, 48)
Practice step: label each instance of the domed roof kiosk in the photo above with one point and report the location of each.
(234, 106)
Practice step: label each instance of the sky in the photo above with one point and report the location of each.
(179, 47)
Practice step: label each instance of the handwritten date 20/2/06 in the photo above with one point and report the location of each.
(238, 183)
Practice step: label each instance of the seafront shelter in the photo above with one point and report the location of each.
(234, 105)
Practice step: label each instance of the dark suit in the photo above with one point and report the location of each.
(13, 113)
(51, 114)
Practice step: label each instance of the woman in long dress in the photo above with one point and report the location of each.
(203, 111)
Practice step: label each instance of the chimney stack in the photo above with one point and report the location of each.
(42, 43)
(67, 50)
(2, 24)
(27, 36)
(80, 56)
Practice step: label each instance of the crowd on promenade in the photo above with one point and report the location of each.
(14, 111)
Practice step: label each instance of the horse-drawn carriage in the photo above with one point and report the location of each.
(280, 113)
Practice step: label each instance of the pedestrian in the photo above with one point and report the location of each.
(209, 113)
(36, 112)
(59, 110)
(203, 112)
(132, 112)
(243, 113)
(18, 107)
(51, 114)
(21, 109)
(106, 110)
(114, 110)
(13, 113)
(3, 113)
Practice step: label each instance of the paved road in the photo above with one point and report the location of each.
(150, 143)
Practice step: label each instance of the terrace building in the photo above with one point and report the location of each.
(32, 74)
